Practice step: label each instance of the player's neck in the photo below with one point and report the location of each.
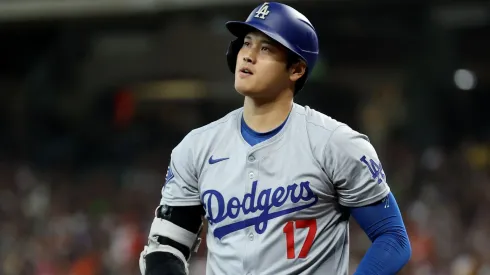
(264, 116)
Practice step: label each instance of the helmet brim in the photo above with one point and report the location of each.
(241, 29)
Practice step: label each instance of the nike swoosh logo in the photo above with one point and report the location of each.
(213, 161)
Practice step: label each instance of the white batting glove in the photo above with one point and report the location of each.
(142, 260)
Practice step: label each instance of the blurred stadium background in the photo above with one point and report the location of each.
(96, 93)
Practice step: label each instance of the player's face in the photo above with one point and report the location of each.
(261, 69)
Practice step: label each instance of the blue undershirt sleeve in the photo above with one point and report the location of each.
(383, 224)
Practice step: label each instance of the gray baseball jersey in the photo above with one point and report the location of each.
(276, 208)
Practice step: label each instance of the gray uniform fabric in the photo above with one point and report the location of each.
(277, 208)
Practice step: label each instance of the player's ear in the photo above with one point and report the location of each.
(297, 70)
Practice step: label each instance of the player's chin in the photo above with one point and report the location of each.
(245, 88)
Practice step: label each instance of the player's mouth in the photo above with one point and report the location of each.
(245, 72)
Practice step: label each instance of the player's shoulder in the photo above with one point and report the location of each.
(213, 129)
(317, 121)
(224, 123)
(323, 128)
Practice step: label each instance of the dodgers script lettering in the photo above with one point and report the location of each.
(253, 202)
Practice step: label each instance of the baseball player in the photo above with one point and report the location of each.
(276, 181)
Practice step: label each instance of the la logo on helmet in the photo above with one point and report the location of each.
(263, 11)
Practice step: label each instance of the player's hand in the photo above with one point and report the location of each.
(142, 261)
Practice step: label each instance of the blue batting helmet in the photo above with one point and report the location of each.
(283, 24)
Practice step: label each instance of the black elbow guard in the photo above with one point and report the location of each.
(185, 217)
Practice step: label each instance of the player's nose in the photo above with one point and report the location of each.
(249, 57)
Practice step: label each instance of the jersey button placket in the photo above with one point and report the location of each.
(251, 160)
(251, 237)
(251, 175)
(249, 233)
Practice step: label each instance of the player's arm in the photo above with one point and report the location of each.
(360, 181)
(178, 220)
(383, 224)
(173, 237)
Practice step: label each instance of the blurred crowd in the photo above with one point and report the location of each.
(94, 221)
(88, 118)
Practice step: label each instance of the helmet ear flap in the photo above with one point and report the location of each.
(232, 53)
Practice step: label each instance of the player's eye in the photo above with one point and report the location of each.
(246, 43)
(265, 49)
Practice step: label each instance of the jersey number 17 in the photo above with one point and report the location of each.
(289, 230)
